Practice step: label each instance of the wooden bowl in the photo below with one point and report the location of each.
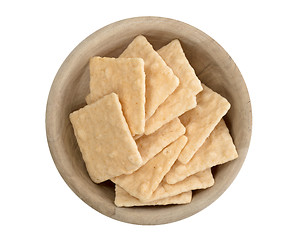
(213, 66)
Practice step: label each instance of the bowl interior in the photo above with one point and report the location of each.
(212, 65)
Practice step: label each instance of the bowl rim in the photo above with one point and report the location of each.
(52, 96)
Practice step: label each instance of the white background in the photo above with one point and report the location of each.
(263, 38)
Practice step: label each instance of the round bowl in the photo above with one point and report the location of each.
(213, 66)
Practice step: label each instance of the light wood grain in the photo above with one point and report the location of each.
(213, 66)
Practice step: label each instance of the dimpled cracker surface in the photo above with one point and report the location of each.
(142, 183)
(125, 77)
(184, 96)
(201, 120)
(217, 149)
(160, 79)
(200, 180)
(150, 145)
(124, 199)
(104, 139)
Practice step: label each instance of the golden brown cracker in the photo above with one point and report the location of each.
(200, 180)
(125, 77)
(160, 79)
(217, 149)
(143, 182)
(183, 98)
(104, 139)
(201, 120)
(150, 145)
(124, 199)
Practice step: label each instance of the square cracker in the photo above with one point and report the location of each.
(200, 180)
(201, 120)
(104, 139)
(217, 149)
(142, 183)
(124, 199)
(160, 79)
(125, 77)
(184, 96)
(150, 145)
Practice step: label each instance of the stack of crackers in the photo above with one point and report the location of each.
(151, 127)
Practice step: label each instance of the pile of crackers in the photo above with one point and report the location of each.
(151, 127)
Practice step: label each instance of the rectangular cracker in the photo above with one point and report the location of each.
(124, 199)
(184, 96)
(104, 139)
(201, 120)
(200, 180)
(217, 149)
(150, 145)
(143, 182)
(160, 79)
(125, 77)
